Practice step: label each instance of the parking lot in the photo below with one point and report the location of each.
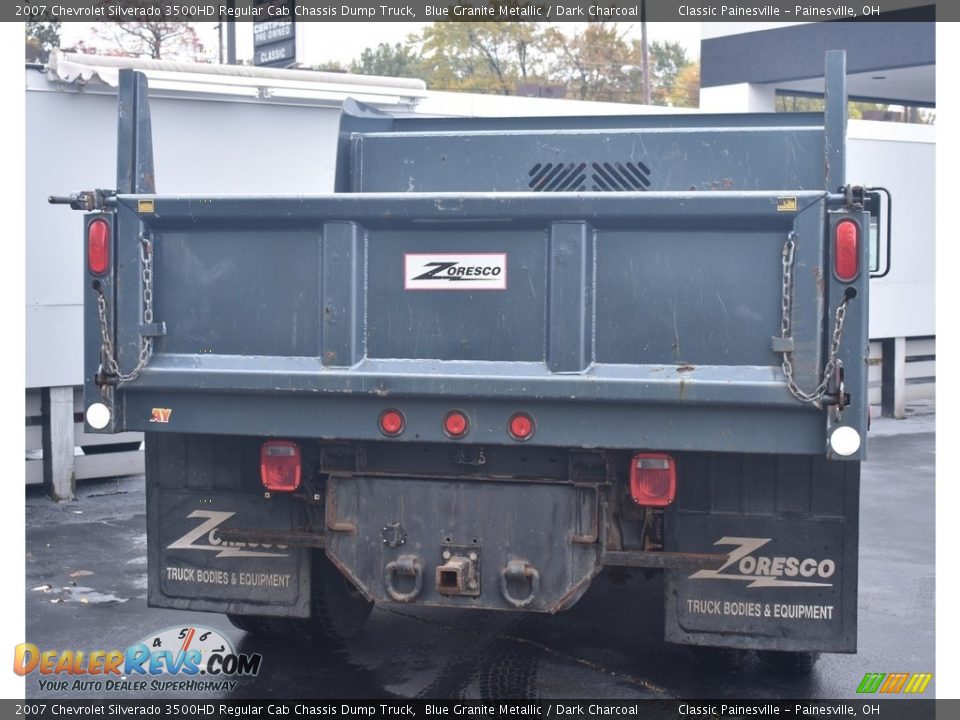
(86, 589)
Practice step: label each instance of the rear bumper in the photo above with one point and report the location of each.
(759, 551)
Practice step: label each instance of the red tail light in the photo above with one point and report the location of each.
(521, 427)
(280, 465)
(98, 246)
(391, 422)
(653, 479)
(846, 256)
(455, 424)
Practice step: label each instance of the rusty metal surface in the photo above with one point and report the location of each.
(671, 560)
(512, 539)
(280, 537)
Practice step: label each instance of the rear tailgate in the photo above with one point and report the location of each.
(618, 320)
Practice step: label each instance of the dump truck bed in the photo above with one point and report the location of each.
(623, 280)
(503, 355)
(635, 319)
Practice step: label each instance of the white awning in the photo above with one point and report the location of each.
(238, 80)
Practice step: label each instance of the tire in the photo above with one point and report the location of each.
(717, 658)
(253, 624)
(796, 664)
(104, 449)
(338, 610)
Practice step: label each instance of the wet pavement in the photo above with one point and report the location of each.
(86, 589)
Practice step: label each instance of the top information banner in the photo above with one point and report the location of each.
(481, 10)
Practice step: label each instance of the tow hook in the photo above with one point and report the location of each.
(404, 566)
(519, 572)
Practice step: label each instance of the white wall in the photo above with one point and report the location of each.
(722, 29)
(742, 97)
(901, 158)
(200, 146)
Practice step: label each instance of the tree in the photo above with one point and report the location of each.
(390, 61)
(41, 39)
(685, 90)
(590, 63)
(797, 103)
(333, 66)
(667, 59)
(157, 40)
(594, 62)
(480, 56)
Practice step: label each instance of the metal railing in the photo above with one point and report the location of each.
(902, 370)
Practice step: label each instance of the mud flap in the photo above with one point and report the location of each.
(790, 578)
(191, 568)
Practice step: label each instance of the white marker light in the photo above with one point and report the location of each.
(845, 441)
(98, 416)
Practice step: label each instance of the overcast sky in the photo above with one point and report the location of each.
(344, 41)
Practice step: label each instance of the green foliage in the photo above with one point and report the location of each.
(797, 103)
(856, 110)
(158, 40)
(490, 57)
(41, 39)
(685, 90)
(590, 63)
(667, 61)
(586, 61)
(46, 34)
(329, 66)
(389, 60)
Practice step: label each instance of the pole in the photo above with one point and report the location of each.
(231, 36)
(644, 50)
(231, 43)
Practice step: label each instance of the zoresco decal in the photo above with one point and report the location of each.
(745, 564)
(455, 271)
(204, 537)
(184, 651)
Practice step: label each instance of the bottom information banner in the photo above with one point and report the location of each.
(913, 709)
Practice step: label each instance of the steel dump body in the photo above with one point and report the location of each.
(647, 315)
(670, 289)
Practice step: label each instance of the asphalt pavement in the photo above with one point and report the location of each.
(86, 589)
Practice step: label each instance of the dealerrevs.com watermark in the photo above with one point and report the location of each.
(177, 659)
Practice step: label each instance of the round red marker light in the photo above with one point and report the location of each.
(521, 426)
(455, 424)
(391, 422)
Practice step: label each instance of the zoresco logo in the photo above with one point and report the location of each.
(745, 564)
(185, 651)
(204, 537)
(455, 271)
(894, 682)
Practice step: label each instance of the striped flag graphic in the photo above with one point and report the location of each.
(894, 683)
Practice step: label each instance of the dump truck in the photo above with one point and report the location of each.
(504, 355)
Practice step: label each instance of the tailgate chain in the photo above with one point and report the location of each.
(817, 394)
(146, 343)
